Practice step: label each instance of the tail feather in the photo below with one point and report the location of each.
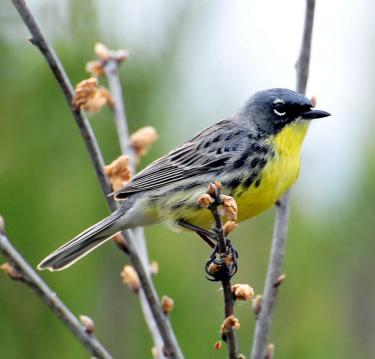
(82, 244)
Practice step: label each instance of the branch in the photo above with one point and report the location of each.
(222, 260)
(20, 270)
(264, 320)
(138, 245)
(166, 332)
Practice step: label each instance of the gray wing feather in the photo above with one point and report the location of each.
(210, 150)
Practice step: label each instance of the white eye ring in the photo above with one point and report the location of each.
(278, 112)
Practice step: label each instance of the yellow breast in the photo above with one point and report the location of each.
(278, 175)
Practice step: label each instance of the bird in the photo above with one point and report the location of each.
(255, 154)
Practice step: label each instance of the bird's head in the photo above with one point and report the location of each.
(272, 110)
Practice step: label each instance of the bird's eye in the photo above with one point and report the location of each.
(279, 107)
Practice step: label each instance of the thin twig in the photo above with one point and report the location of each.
(264, 320)
(231, 337)
(111, 68)
(28, 276)
(165, 329)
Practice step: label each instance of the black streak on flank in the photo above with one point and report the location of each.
(250, 180)
(234, 183)
(262, 162)
(257, 183)
(254, 162)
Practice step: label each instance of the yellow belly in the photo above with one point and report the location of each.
(277, 177)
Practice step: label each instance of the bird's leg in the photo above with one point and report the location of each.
(222, 266)
(207, 236)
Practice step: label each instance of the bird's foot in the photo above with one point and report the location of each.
(222, 266)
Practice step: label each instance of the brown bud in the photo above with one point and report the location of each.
(313, 101)
(12, 272)
(243, 292)
(121, 55)
(142, 139)
(218, 345)
(130, 277)
(213, 268)
(2, 225)
(154, 267)
(120, 241)
(119, 172)
(241, 356)
(229, 227)
(257, 304)
(88, 323)
(101, 51)
(228, 260)
(269, 351)
(95, 68)
(90, 97)
(230, 207)
(231, 322)
(218, 185)
(167, 304)
(205, 200)
(155, 352)
(280, 279)
(213, 190)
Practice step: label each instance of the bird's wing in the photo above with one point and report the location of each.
(210, 150)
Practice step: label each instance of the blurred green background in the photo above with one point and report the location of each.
(190, 64)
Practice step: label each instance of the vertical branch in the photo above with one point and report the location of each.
(170, 343)
(264, 320)
(138, 245)
(20, 270)
(111, 70)
(223, 270)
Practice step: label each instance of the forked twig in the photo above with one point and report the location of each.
(21, 270)
(171, 347)
(264, 320)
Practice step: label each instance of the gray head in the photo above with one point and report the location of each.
(271, 110)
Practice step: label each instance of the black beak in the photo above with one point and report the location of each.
(312, 114)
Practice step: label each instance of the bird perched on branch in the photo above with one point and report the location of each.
(255, 154)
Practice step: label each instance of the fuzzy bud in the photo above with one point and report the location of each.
(280, 279)
(130, 277)
(257, 304)
(269, 351)
(167, 304)
(218, 345)
(119, 172)
(155, 352)
(243, 292)
(229, 227)
(88, 323)
(10, 271)
(205, 200)
(231, 322)
(230, 207)
(95, 68)
(101, 51)
(2, 225)
(241, 356)
(154, 267)
(89, 97)
(142, 139)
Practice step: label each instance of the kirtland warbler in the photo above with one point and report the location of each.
(255, 154)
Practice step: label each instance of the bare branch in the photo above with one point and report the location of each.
(264, 320)
(111, 68)
(23, 272)
(170, 343)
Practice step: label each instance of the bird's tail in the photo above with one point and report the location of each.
(83, 244)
